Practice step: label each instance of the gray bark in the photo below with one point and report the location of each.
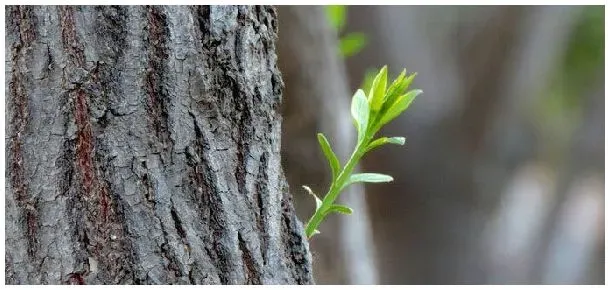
(143, 146)
(318, 100)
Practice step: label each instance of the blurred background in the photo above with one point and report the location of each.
(501, 180)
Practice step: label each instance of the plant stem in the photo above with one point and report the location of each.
(335, 188)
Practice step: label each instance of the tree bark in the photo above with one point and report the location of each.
(143, 147)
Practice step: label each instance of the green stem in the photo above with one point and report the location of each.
(335, 188)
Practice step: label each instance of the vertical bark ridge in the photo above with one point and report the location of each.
(157, 115)
(103, 231)
(18, 116)
(261, 191)
(212, 208)
(230, 65)
(216, 64)
(60, 217)
(157, 101)
(25, 202)
(251, 268)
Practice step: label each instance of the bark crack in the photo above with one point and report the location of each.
(157, 97)
(262, 189)
(24, 22)
(210, 205)
(178, 224)
(103, 234)
(251, 269)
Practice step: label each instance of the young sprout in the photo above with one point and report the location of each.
(369, 112)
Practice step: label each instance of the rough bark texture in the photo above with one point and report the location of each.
(143, 146)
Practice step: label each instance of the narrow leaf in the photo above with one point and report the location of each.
(397, 140)
(398, 90)
(377, 92)
(378, 142)
(407, 82)
(318, 201)
(340, 209)
(396, 84)
(333, 162)
(401, 104)
(368, 177)
(360, 112)
(384, 140)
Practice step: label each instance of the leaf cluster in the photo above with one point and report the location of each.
(370, 112)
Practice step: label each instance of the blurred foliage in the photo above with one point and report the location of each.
(560, 110)
(351, 43)
(585, 54)
(582, 61)
(336, 15)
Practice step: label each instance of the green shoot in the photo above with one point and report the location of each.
(369, 112)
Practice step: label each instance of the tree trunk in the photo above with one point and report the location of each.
(143, 147)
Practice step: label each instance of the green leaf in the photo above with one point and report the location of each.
(368, 121)
(318, 201)
(336, 16)
(377, 92)
(399, 106)
(397, 140)
(368, 177)
(360, 113)
(377, 143)
(399, 89)
(340, 209)
(385, 140)
(333, 161)
(352, 44)
(396, 84)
